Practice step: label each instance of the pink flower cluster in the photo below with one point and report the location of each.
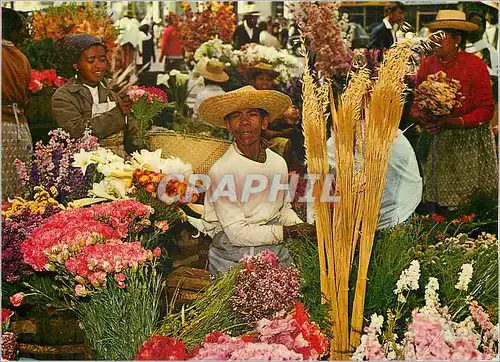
(65, 234)
(44, 78)
(264, 288)
(95, 262)
(297, 332)
(150, 94)
(222, 347)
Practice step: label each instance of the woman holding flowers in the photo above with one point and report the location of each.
(86, 102)
(463, 160)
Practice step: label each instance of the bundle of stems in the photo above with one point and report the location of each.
(383, 114)
(364, 128)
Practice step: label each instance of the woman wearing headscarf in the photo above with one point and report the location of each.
(86, 102)
(463, 160)
(16, 76)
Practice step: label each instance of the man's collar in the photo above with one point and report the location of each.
(248, 29)
(264, 144)
(387, 24)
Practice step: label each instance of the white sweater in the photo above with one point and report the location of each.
(245, 222)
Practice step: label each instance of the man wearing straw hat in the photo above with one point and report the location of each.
(244, 211)
(213, 75)
(247, 32)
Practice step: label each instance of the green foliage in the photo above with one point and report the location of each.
(117, 321)
(47, 54)
(304, 253)
(210, 312)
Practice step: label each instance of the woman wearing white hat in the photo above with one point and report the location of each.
(463, 159)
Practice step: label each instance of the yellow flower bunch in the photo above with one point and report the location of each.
(38, 205)
(59, 21)
(438, 95)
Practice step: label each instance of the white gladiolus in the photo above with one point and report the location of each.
(464, 277)
(408, 280)
(431, 295)
(376, 322)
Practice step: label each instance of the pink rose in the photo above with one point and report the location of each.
(17, 299)
(156, 252)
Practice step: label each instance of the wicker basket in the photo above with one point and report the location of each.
(201, 152)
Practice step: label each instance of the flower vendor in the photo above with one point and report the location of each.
(247, 32)
(258, 221)
(16, 137)
(86, 102)
(213, 76)
(462, 160)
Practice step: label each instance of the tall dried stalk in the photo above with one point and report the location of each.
(382, 120)
(314, 128)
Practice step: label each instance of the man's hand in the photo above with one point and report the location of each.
(298, 230)
(126, 105)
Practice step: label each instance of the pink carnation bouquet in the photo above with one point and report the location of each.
(147, 103)
(44, 79)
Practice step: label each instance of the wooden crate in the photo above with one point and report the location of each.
(189, 281)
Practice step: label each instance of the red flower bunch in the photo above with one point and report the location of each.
(297, 332)
(437, 218)
(264, 288)
(95, 262)
(44, 78)
(66, 233)
(214, 20)
(150, 94)
(161, 348)
(464, 219)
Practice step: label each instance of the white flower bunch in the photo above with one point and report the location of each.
(408, 280)
(286, 64)
(214, 48)
(464, 277)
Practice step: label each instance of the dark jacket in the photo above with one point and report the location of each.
(240, 36)
(380, 38)
(72, 110)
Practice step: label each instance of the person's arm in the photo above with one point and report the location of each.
(288, 216)
(164, 40)
(71, 119)
(482, 95)
(375, 41)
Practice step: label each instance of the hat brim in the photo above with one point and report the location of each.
(213, 110)
(453, 24)
(221, 77)
(254, 70)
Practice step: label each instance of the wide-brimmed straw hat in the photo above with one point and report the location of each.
(452, 19)
(250, 9)
(213, 110)
(263, 68)
(214, 70)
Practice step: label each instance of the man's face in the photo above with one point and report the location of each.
(397, 16)
(251, 20)
(246, 126)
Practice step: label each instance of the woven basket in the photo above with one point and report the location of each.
(201, 152)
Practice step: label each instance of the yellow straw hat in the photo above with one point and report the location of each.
(213, 109)
(452, 19)
(214, 70)
(263, 68)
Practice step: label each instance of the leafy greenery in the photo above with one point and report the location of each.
(211, 311)
(304, 253)
(117, 321)
(47, 54)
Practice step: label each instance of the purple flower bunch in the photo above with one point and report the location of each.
(51, 165)
(265, 288)
(16, 227)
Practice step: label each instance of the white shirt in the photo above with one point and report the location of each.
(210, 90)
(403, 184)
(97, 107)
(389, 26)
(269, 40)
(245, 222)
(489, 33)
(479, 46)
(248, 29)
